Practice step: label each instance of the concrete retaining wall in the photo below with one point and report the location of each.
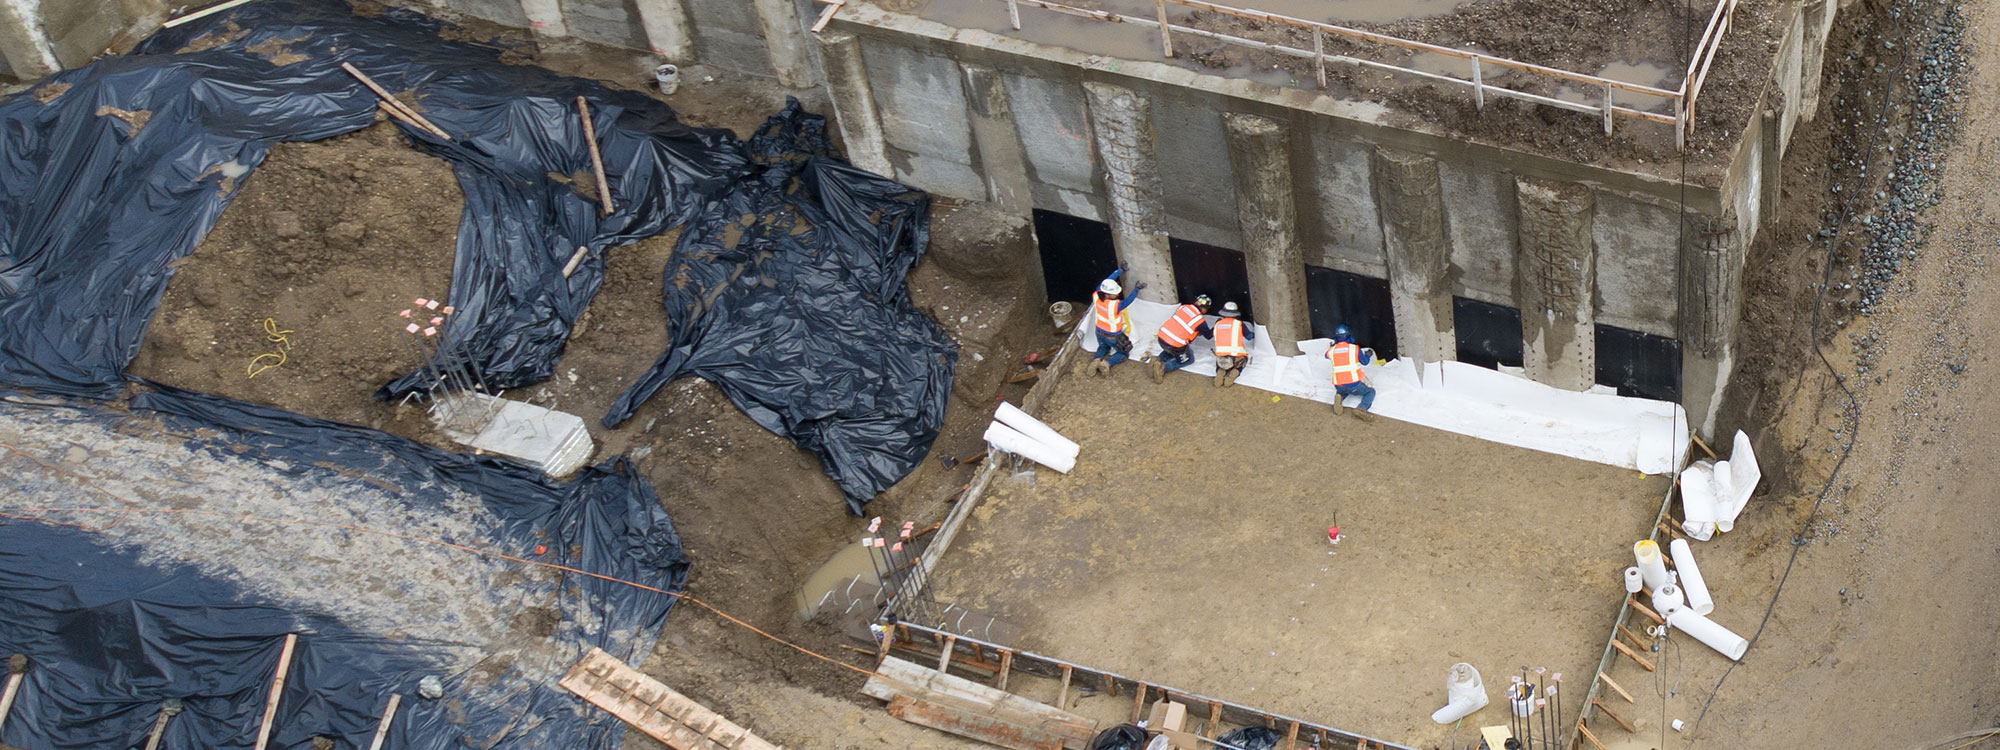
(1637, 256)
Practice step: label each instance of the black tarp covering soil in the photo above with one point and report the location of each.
(112, 173)
(792, 288)
(117, 618)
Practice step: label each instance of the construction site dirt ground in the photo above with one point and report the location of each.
(329, 239)
(1188, 548)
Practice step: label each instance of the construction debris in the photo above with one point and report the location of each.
(655, 709)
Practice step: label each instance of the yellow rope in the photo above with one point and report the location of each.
(275, 336)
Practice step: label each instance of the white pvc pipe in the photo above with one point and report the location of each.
(1634, 580)
(1464, 694)
(1710, 634)
(1012, 416)
(1652, 566)
(1012, 441)
(1692, 583)
(1698, 509)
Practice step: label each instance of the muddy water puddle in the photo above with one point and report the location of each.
(830, 580)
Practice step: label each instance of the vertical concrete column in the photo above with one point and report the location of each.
(1711, 295)
(1410, 199)
(1555, 282)
(667, 28)
(854, 103)
(1121, 124)
(785, 42)
(1001, 157)
(1260, 155)
(545, 16)
(24, 42)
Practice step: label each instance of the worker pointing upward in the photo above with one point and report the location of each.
(1114, 325)
(1232, 353)
(1347, 375)
(1177, 333)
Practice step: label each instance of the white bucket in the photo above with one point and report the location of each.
(668, 76)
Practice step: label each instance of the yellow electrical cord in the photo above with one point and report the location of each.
(275, 336)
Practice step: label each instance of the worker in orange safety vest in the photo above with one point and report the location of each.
(1178, 333)
(1113, 325)
(1232, 350)
(1348, 379)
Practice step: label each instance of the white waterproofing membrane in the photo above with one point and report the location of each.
(1596, 425)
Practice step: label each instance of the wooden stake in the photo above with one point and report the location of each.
(1636, 640)
(944, 658)
(574, 259)
(388, 715)
(1622, 723)
(7, 698)
(596, 157)
(1006, 668)
(1627, 650)
(277, 690)
(1214, 718)
(1138, 702)
(1062, 693)
(1615, 688)
(1644, 610)
(1292, 737)
(1703, 446)
(827, 15)
(1585, 731)
(204, 13)
(1166, 37)
(409, 114)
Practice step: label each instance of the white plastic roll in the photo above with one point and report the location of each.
(1710, 634)
(1698, 505)
(1464, 694)
(1012, 441)
(1652, 567)
(1668, 597)
(1692, 584)
(1737, 479)
(1012, 416)
(1634, 580)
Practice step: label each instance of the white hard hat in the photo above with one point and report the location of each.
(1111, 287)
(1229, 310)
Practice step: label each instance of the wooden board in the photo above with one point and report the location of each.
(960, 706)
(655, 709)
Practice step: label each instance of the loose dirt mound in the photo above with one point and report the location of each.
(327, 240)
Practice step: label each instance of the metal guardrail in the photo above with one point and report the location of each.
(1682, 99)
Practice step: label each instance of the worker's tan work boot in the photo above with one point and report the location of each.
(1159, 370)
(1339, 402)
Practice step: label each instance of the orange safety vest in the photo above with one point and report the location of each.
(1346, 362)
(1180, 329)
(1110, 319)
(1229, 338)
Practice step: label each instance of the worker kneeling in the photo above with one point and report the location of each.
(1232, 354)
(1348, 379)
(1177, 334)
(1113, 323)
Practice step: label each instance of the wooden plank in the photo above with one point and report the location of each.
(1627, 650)
(1062, 693)
(1496, 736)
(1006, 668)
(388, 717)
(1292, 737)
(899, 677)
(1633, 600)
(204, 13)
(944, 658)
(1615, 688)
(1166, 38)
(596, 157)
(1138, 701)
(1585, 732)
(1636, 640)
(409, 114)
(653, 708)
(1214, 719)
(1606, 710)
(827, 15)
(7, 698)
(987, 729)
(277, 690)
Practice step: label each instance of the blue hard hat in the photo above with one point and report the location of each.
(1341, 333)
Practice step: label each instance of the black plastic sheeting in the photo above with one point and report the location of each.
(791, 288)
(111, 637)
(1121, 737)
(1251, 738)
(808, 329)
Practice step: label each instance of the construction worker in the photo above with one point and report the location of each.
(1232, 348)
(1187, 324)
(1114, 325)
(1348, 379)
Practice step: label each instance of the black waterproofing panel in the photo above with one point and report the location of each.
(1338, 298)
(1076, 254)
(1218, 272)
(788, 293)
(1639, 364)
(1489, 335)
(111, 637)
(828, 351)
